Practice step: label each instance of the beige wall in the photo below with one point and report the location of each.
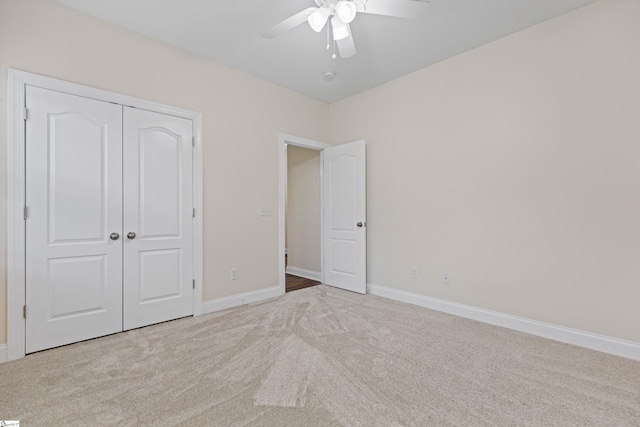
(303, 208)
(242, 118)
(516, 168)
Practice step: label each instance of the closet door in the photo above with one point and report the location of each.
(158, 221)
(73, 230)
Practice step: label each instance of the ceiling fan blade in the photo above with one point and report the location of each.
(346, 46)
(288, 24)
(413, 9)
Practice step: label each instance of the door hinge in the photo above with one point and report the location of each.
(194, 283)
(24, 311)
(25, 113)
(194, 212)
(25, 212)
(193, 141)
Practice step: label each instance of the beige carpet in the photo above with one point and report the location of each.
(321, 356)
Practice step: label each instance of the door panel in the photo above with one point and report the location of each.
(343, 256)
(343, 190)
(74, 196)
(160, 189)
(345, 206)
(159, 274)
(76, 205)
(77, 286)
(158, 261)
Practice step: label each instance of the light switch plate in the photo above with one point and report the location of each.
(265, 211)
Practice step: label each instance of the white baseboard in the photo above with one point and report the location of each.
(218, 304)
(618, 347)
(307, 274)
(3, 353)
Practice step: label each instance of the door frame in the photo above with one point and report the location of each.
(16, 247)
(284, 140)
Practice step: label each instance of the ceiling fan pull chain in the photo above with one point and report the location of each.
(328, 39)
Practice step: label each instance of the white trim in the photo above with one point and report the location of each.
(3, 353)
(618, 347)
(17, 82)
(198, 274)
(224, 303)
(307, 274)
(283, 141)
(50, 83)
(16, 226)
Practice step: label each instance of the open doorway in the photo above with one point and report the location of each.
(343, 242)
(303, 219)
(300, 261)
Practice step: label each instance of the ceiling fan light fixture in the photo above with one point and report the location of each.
(340, 29)
(318, 19)
(346, 11)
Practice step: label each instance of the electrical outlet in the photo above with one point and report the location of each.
(446, 278)
(414, 272)
(233, 273)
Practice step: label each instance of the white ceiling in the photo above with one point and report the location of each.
(387, 47)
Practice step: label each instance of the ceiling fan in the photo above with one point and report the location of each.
(340, 13)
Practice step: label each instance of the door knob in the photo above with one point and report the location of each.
(360, 224)
(131, 235)
(114, 236)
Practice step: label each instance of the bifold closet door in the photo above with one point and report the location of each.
(74, 200)
(158, 220)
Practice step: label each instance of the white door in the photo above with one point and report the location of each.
(345, 236)
(109, 232)
(74, 199)
(158, 219)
